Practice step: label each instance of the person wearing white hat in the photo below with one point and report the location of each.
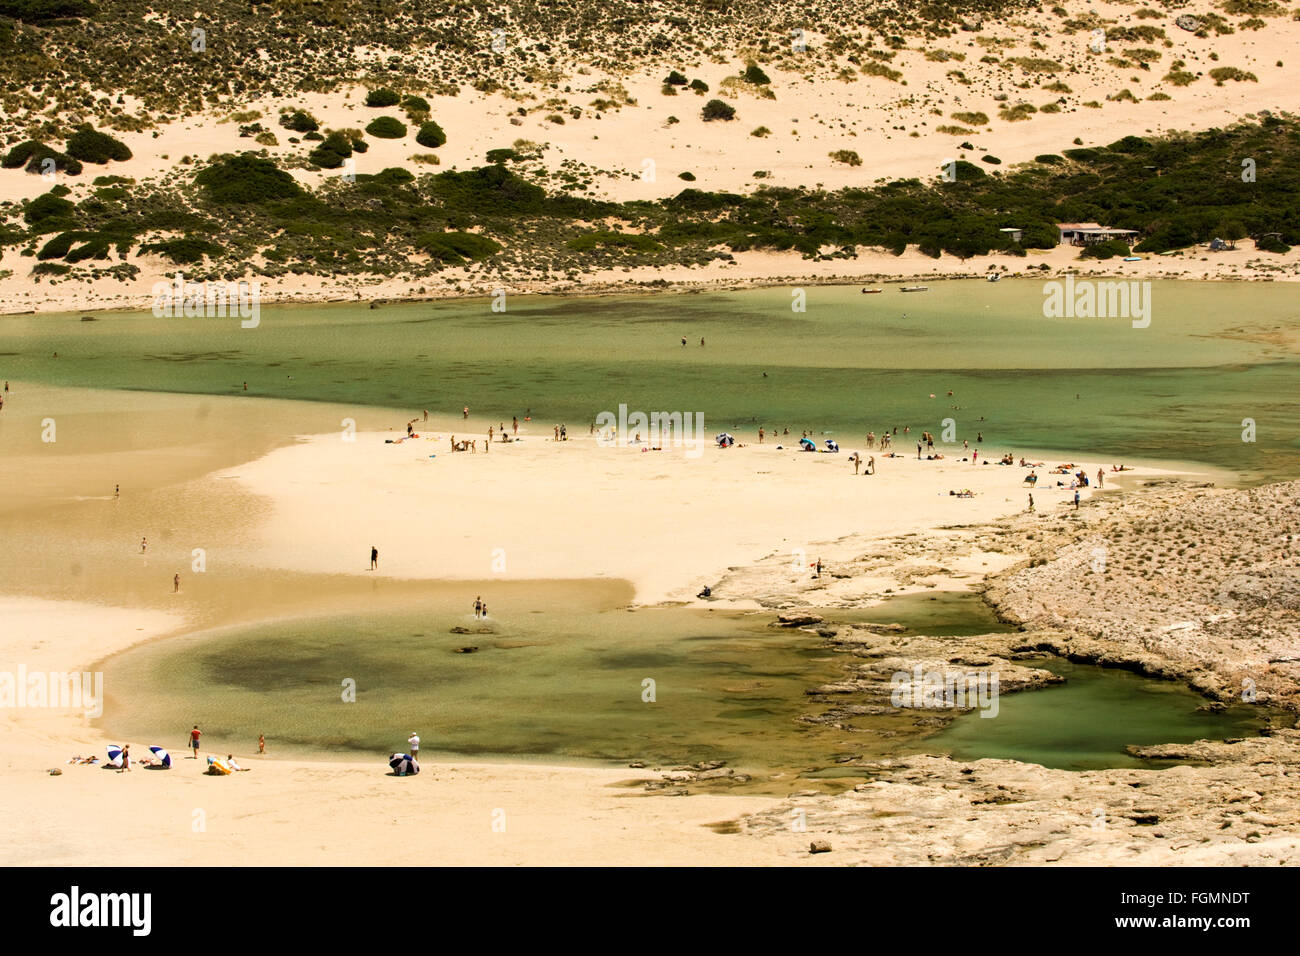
(413, 745)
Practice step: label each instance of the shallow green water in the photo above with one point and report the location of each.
(568, 684)
(551, 682)
(1177, 390)
(1086, 723)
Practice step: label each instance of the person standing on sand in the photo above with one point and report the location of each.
(819, 568)
(195, 734)
(871, 465)
(374, 558)
(514, 423)
(491, 431)
(413, 745)
(464, 412)
(144, 545)
(857, 460)
(126, 758)
(918, 451)
(1031, 501)
(478, 607)
(1076, 499)
(176, 583)
(261, 743)
(1101, 479)
(117, 491)
(760, 434)
(426, 414)
(975, 457)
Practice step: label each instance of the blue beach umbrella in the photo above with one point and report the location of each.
(404, 764)
(807, 444)
(162, 755)
(114, 755)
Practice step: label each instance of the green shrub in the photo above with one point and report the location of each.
(606, 239)
(1017, 113)
(1106, 250)
(47, 208)
(57, 247)
(246, 178)
(718, 110)
(846, 156)
(39, 11)
(386, 127)
(503, 155)
(754, 74)
(454, 248)
(183, 252)
(879, 69)
(699, 86)
(760, 132)
(300, 121)
(1272, 244)
(382, 97)
(688, 176)
(1050, 159)
(333, 150)
(674, 79)
(1223, 73)
(430, 135)
(415, 104)
(971, 118)
(91, 146)
(33, 156)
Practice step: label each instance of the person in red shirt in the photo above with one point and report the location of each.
(195, 734)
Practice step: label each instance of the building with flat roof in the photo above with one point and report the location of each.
(1088, 233)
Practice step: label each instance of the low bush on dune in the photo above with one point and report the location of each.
(430, 135)
(606, 239)
(246, 178)
(382, 97)
(386, 127)
(846, 156)
(1222, 74)
(718, 110)
(183, 252)
(300, 121)
(38, 158)
(454, 248)
(334, 149)
(92, 146)
(971, 118)
(47, 210)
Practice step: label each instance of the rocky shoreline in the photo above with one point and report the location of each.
(1176, 580)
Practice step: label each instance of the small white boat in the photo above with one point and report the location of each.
(1132, 258)
(915, 288)
(995, 277)
(871, 291)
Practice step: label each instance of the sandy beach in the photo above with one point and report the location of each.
(434, 519)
